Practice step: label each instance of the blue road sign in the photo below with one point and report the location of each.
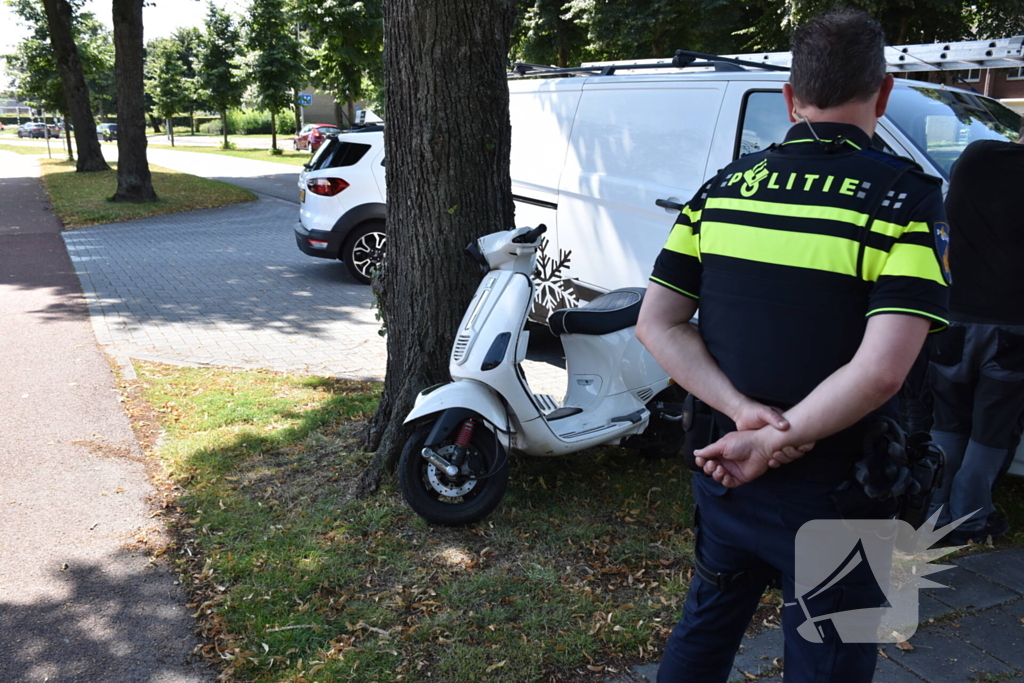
(305, 100)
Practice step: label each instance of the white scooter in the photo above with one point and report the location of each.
(454, 468)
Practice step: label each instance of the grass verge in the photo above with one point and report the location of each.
(81, 199)
(29, 150)
(579, 573)
(286, 156)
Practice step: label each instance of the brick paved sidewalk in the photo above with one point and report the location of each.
(225, 287)
(228, 287)
(972, 631)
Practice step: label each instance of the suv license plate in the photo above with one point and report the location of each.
(302, 195)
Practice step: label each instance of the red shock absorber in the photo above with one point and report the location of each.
(465, 433)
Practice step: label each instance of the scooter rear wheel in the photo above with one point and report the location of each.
(458, 500)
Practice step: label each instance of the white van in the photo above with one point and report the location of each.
(606, 161)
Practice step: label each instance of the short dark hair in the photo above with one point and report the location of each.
(838, 57)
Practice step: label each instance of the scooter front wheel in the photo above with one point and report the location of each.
(462, 499)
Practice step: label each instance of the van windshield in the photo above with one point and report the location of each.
(942, 122)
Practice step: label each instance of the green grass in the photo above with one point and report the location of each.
(287, 156)
(81, 199)
(30, 150)
(580, 572)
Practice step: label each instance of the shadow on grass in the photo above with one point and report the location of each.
(584, 564)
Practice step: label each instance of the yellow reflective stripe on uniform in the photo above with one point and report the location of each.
(796, 249)
(790, 210)
(673, 287)
(682, 241)
(896, 230)
(912, 311)
(913, 260)
(694, 216)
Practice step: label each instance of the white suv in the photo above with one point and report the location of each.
(341, 202)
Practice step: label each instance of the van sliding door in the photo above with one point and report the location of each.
(634, 142)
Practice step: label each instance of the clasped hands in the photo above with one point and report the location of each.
(758, 444)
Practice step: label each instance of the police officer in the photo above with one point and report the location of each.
(817, 265)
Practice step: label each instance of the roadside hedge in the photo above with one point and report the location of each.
(251, 121)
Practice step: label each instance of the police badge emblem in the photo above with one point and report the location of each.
(942, 250)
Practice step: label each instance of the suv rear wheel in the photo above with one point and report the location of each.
(363, 252)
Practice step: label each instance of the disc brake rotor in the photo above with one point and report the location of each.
(448, 488)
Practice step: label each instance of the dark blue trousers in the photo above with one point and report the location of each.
(753, 529)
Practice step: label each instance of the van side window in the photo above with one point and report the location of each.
(765, 120)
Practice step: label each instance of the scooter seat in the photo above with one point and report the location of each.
(608, 313)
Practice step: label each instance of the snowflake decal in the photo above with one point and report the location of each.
(554, 290)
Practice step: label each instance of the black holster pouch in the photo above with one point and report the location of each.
(699, 423)
(896, 476)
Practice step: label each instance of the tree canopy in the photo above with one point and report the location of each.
(345, 43)
(274, 63)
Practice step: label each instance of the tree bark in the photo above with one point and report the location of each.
(224, 125)
(134, 183)
(447, 143)
(298, 114)
(273, 129)
(72, 78)
(67, 138)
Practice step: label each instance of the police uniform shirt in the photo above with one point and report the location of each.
(777, 250)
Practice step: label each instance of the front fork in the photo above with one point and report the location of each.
(459, 452)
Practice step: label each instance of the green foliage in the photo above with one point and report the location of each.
(33, 66)
(274, 62)
(165, 77)
(218, 53)
(249, 122)
(566, 32)
(345, 40)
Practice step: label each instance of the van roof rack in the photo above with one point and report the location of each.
(964, 54)
(683, 59)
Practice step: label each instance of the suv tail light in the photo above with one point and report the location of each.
(326, 187)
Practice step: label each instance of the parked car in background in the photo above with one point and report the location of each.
(32, 130)
(313, 135)
(341, 202)
(108, 131)
(54, 130)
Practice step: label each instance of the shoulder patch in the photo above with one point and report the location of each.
(942, 250)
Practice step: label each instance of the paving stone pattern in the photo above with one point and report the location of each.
(972, 631)
(229, 287)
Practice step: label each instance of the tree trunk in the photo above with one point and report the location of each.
(134, 183)
(447, 144)
(170, 129)
(350, 111)
(67, 138)
(224, 125)
(298, 114)
(192, 121)
(273, 129)
(76, 92)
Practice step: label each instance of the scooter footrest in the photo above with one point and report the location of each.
(632, 417)
(567, 411)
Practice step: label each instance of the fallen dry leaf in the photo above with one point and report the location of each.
(905, 646)
(595, 668)
(500, 664)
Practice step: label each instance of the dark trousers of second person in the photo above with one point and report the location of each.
(977, 382)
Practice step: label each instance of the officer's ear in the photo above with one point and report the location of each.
(883, 95)
(787, 94)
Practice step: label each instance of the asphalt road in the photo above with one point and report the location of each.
(79, 599)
